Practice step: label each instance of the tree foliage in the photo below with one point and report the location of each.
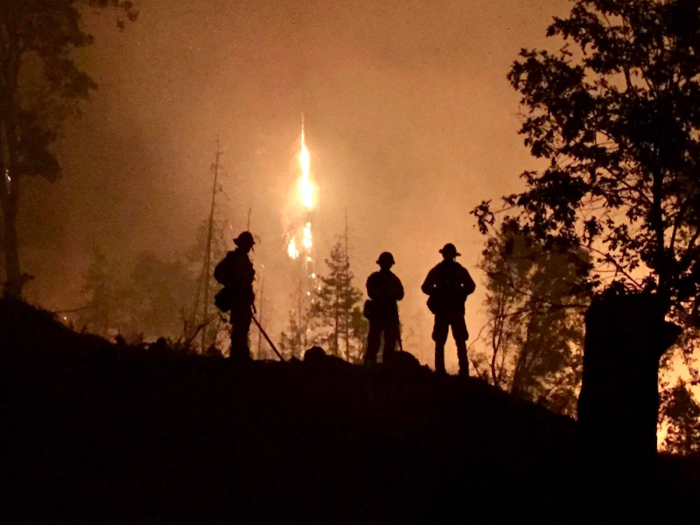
(150, 299)
(98, 291)
(534, 304)
(335, 313)
(40, 85)
(682, 414)
(294, 340)
(615, 112)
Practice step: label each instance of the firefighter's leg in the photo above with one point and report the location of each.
(241, 318)
(391, 337)
(460, 334)
(440, 329)
(374, 338)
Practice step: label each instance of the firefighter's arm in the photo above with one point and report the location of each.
(371, 288)
(468, 282)
(398, 289)
(428, 287)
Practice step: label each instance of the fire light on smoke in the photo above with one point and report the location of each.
(8, 181)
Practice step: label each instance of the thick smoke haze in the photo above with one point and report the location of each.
(410, 123)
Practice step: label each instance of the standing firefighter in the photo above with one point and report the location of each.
(448, 284)
(236, 273)
(384, 290)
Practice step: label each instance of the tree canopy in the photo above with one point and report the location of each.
(616, 114)
(40, 85)
(534, 332)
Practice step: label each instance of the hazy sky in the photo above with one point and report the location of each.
(410, 123)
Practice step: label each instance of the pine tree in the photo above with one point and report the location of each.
(335, 314)
(682, 413)
(357, 340)
(294, 341)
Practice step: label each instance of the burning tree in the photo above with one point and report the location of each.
(300, 250)
(40, 86)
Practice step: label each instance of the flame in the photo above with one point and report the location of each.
(308, 237)
(292, 249)
(306, 193)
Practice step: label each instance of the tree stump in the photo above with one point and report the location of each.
(626, 335)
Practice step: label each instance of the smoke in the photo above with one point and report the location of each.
(409, 119)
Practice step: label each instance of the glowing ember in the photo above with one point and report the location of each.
(8, 181)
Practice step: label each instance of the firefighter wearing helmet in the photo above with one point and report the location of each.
(384, 289)
(448, 284)
(237, 274)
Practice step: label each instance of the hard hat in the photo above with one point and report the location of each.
(385, 258)
(449, 250)
(244, 239)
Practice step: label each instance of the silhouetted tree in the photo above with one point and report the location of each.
(337, 319)
(356, 337)
(161, 291)
(615, 114)
(40, 85)
(194, 256)
(534, 333)
(99, 293)
(152, 298)
(294, 340)
(682, 413)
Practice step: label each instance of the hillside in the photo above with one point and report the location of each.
(101, 433)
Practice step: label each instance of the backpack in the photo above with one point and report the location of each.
(224, 299)
(223, 270)
(369, 310)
